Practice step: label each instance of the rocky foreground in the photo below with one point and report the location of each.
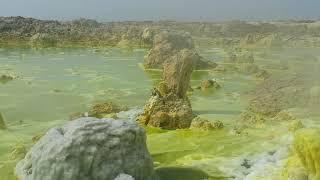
(89, 148)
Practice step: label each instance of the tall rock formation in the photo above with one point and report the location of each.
(169, 106)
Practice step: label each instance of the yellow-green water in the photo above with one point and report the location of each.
(54, 83)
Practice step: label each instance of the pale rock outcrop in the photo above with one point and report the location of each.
(124, 177)
(130, 38)
(272, 99)
(130, 114)
(167, 44)
(204, 124)
(148, 36)
(243, 62)
(209, 84)
(101, 110)
(89, 148)
(177, 72)
(275, 95)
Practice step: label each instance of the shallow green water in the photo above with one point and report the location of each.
(55, 83)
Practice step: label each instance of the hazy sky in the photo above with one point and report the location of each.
(114, 10)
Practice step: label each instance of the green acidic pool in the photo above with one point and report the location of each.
(54, 83)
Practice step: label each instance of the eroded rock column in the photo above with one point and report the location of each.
(169, 106)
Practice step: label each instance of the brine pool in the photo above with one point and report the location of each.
(54, 83)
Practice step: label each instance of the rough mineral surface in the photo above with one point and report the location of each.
(169, 107)
(177, 72)
(89, 148)
(124, 177)
(209, 84)
(148, 36)
(131, 114)
(275, 95)
(243, 62)
(294, 170)
(295, 125)
(204, 124)
(167, 113)
(272, 99)
(307, 147)
(166, 44)
(100, 109)
(252, 117)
